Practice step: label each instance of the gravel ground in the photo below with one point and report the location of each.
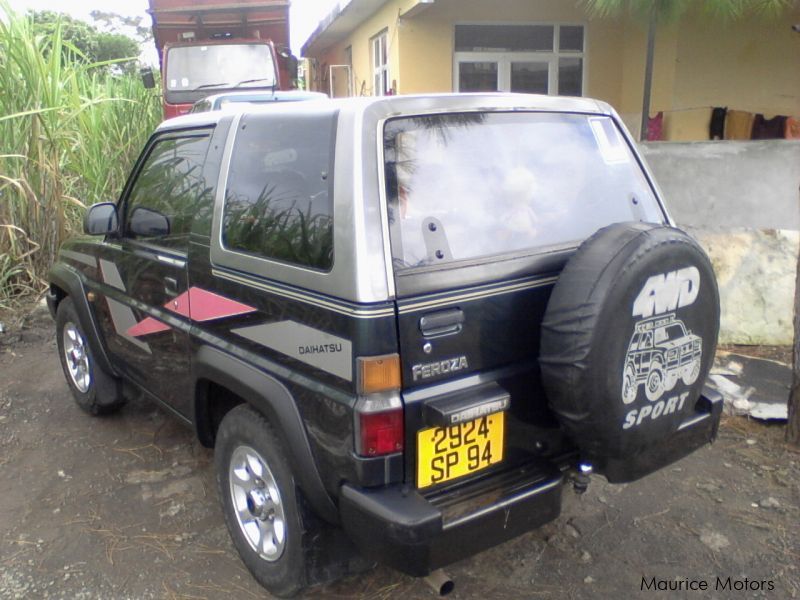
(125, 507)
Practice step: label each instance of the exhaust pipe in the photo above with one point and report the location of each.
(440, 582)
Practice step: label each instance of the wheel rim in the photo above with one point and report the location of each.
(77, 357)
(654, 383)
(257, 503)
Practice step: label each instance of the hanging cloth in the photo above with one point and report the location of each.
(716, 130)
(768, 129)
(738, 125)
(792, 131)
(655, 127)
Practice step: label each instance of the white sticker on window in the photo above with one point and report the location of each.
(609, 142)
(184, 82)
(173, 83)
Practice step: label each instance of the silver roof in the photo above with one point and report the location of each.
(388, 106)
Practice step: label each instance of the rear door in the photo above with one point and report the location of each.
(484, 210)
(145, 271)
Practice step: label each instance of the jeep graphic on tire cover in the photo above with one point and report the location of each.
(661, 352)
(628, 338)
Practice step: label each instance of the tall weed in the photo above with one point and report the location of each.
(68, 136)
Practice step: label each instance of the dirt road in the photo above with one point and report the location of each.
(125, 507)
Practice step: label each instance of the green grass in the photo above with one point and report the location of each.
(69, 134)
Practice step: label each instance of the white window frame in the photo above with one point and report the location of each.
(504, 59)
(378, 46)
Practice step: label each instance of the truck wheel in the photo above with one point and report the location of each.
(654, 386)
(691, 373)
(260, 501)
(95, 391)
(629, 385)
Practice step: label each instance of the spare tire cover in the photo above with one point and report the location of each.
(628, 338)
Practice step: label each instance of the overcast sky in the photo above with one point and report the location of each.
(304, 14)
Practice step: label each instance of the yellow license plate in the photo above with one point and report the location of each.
(445, 453)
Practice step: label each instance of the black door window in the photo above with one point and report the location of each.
(167, 192)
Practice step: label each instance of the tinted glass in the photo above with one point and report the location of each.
(477, 76)
(570, 38)
(279, 196)
(570, 76)
(530, 77)
(228, 65)
(480, 184)
(170, 185)
(509, 38)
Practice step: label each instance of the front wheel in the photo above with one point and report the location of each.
(94, 390)
(260, 501)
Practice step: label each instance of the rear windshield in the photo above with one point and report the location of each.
(470, 185)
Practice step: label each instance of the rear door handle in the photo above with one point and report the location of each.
(444, 322)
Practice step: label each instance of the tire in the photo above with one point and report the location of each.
(691, 374)
(95, 391)
(629, 385)
(269, 503)
(655, 384)
(627, 289)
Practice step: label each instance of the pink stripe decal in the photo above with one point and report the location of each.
(207, 306)
(147, 326)
(196, 304)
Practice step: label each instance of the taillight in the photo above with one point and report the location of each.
(381, 433)
(379, 410)
(378, 373)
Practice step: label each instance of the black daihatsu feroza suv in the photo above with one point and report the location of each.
(402, 323)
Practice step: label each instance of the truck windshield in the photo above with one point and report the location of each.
(219, 66)
(463, 186)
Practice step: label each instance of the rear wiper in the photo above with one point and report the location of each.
(255, 80)
(210, 85)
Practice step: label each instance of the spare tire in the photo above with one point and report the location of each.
(628, 338)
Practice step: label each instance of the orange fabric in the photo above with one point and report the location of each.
(739, 125)
(793, 128)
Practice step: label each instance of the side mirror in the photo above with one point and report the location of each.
(148, 223)
(148, 79)
(284, 51)
(101, 219)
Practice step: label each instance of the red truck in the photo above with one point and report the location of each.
(210, 46)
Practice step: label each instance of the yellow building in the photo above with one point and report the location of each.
(374, 47)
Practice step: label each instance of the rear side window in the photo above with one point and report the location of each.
(279, 195)
(168, 191)
(473, 185)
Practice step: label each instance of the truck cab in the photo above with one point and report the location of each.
(207, 48)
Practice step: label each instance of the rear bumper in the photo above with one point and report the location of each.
(415, 534)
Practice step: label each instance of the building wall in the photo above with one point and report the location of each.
(751, 64)
(700, 62)
(360, 42)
